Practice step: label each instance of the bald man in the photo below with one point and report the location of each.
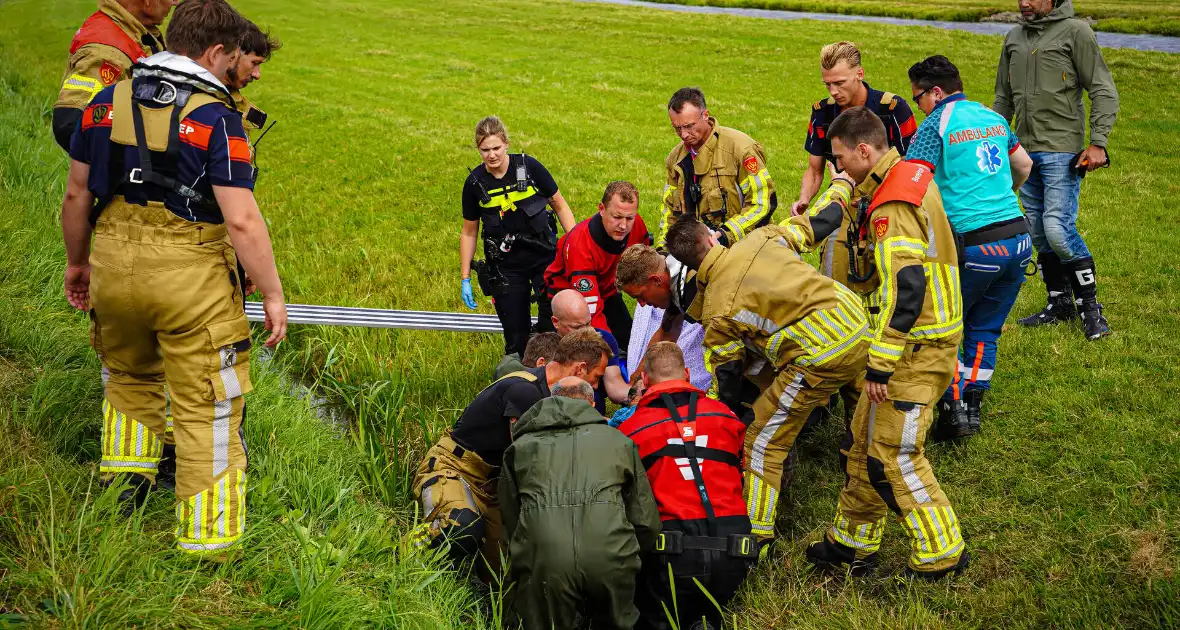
(570, 313)
(574, 387)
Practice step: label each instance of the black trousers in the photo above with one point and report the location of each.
(718, 572)
(513, 306)
(618, 319)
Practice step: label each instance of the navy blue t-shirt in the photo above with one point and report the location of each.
(214, 151)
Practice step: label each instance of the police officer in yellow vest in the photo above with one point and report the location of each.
(119, 34)
(903, 246)
(768, 312)
(160, 174)
(715, 174)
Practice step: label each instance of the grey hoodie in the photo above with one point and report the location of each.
(1044, 66)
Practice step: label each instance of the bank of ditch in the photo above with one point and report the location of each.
(325, 524)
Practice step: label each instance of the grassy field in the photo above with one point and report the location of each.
(1159, 17)
(1068, 499)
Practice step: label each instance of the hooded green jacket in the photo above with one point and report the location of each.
(574, 494)
(1044, 66)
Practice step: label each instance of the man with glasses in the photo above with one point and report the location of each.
(978, 165)
(715, 174)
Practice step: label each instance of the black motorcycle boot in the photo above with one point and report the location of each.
(1085, 293)
(1060, 306)
(973, 399)
(953, 421)
(829, 556)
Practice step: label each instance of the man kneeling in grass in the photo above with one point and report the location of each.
(577, 511)
(456, 481)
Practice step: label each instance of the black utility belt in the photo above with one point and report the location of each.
(995, 232)
(672, 543)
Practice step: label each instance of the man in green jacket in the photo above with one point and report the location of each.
(1046, 63)
(577, 510)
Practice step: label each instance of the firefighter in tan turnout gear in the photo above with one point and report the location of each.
(715, 174)
(903, 245)
(160, 174)
(768, 313)
(118, 34)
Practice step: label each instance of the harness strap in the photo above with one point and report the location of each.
(147, 171)
(690, 449)
(681, 450)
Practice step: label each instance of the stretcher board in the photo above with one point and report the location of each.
(382, 318)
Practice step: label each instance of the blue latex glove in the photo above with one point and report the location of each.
(468, 297)
(621, 416)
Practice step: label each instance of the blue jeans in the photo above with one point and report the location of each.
(990, 278)
(1050, 198)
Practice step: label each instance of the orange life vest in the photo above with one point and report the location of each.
(100, 28)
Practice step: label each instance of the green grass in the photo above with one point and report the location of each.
(1157, 17)
(1068, 500)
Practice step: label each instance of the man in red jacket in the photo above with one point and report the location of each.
(588, 255)
(691, 446)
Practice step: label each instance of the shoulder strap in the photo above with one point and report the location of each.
(690, 450)
(528, 376)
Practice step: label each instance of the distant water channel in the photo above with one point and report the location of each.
(1158, 43)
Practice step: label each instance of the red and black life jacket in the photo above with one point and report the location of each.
(683, 437)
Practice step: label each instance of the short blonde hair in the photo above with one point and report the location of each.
(664, 361)
(833, 54)
(637, 263)
(488, 127)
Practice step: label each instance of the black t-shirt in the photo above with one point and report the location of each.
(484, 426)
(542, 180)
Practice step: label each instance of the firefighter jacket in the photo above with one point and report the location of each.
(904, 238)
(572, 490)
(717, 436)
(587, 260)
(101, 53)
(761, 303)
(725, 184)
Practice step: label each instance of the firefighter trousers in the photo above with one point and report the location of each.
(887, 470)
(166, 310)
(460, 501)
(779, 414)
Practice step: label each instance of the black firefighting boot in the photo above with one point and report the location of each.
(166, 470)
(133, 497)
(790, 465)
(826, 555)
(953, 421)
(974, 403)
(1060, 307)
(931, 576)
(1085, 293)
